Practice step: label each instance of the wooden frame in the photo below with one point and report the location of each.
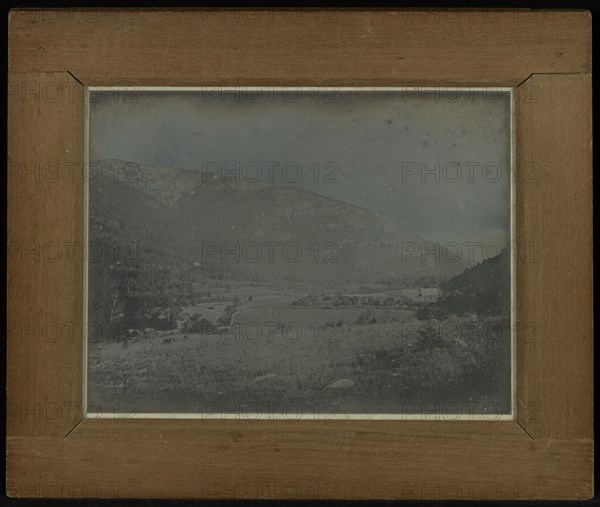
(546, 453)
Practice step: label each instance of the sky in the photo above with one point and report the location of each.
(438, 162)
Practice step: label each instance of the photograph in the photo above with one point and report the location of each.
(299, 253)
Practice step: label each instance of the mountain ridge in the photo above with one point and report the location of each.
(187, 215)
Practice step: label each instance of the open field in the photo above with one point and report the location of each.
(275, 357)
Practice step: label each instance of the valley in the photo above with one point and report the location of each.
(237, 296)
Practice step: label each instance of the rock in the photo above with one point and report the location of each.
(344, 383)
(262, 378)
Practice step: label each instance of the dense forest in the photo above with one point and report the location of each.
(483, 289)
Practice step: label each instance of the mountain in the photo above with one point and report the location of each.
(252, 231)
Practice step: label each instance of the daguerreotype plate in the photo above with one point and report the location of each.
(300, 253)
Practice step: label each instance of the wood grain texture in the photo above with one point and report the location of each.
(355, 460)
(554, 246)
(45, 232)
(547, 453)
(341, 47)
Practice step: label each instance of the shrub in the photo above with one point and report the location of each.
(366, 318)
(198, 324)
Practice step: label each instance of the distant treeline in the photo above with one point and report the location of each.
(349, 300)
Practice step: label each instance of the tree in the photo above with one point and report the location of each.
(114, 298)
